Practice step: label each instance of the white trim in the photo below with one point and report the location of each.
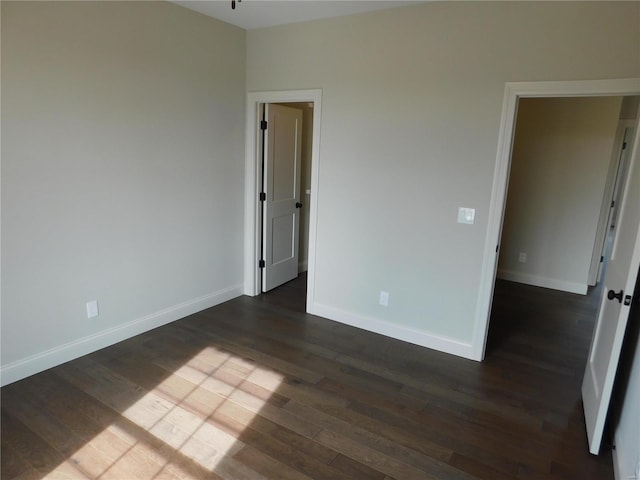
(512, 93)
(544, 282)
(422, 338)
(252, 173)
(616, 464)
(42, 361)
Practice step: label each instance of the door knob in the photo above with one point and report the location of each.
(298, 205)
(611, 295)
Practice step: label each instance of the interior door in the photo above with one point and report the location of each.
(619, 281)
(281, 202)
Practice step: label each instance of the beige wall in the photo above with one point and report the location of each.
(561, 155)
(411, 104)
(122, 172)
(123, 144)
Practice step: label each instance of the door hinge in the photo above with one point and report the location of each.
(261, 264)
(497, 247)
(263, 196)
(624, 145)
(263, 124)
(613, 203)
(627, 300)
(601, 258)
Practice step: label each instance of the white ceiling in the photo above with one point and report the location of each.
(251, 14)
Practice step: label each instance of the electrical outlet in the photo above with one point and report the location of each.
(92, 309)
(384, 298)
(522, 258)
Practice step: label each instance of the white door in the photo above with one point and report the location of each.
(619, 282)
(281, 202)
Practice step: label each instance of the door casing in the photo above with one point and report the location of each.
(253, 172)
(512, 93)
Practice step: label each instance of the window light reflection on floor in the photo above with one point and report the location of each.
(193, 416)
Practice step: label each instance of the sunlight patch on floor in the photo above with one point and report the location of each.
(183, 428)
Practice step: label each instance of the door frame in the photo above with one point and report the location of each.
(253, 171)
(512, 93)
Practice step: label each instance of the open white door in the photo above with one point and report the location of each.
(619, 282)
(281, 201)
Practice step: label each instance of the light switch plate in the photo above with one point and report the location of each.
(466, 215)
(92, 309)
(384, 298)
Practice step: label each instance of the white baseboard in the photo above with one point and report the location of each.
(393, 330)
(545, 282)
(42, 361)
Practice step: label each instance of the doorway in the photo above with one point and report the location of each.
(621, 272)
(512, 94)
(253, 177)
(560, 161)
(287, 137)
(564, 158)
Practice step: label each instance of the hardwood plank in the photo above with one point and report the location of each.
(460, 443)
(375, 433)
(236, 419)
(477, 468)
(13, 465)
(384, 463)
(288, 455)
(269, 361)
(374, 440)
(268, 466)
(25, 407)
(353, 386)
(356, 470)
(28, 445)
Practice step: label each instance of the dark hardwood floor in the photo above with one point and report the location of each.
(255, 388)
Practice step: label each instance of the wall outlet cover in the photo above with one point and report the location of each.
(466, 215)
(92, 309)
(384, 298)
